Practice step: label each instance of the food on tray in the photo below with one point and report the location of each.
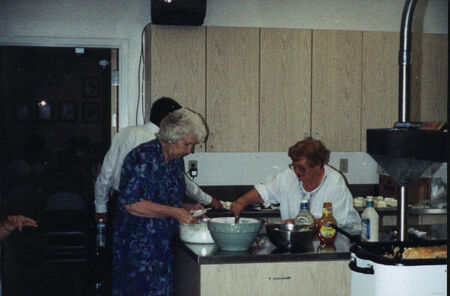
(425, 252)
(390, 202)
(226, 204)
(359, 201)
(380, 204)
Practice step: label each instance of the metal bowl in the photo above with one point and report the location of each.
(290, 237)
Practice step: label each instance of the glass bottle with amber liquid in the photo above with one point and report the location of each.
(325, 232)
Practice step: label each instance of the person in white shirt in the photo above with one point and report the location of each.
(126, 140)
(308, 177)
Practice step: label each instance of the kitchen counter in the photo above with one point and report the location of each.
(264, 251)
(204, 269)
(263, 270)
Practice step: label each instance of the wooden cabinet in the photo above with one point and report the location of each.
(263, 89)
(379, 82)
(285, 88)
(177, 67)
(429, 77)
(232, 102)
(320, 278)
(336, 89)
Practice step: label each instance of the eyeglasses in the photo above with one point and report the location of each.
(297, 167)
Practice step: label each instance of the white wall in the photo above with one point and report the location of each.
(120, 19)
(253, 168)
(367, 15)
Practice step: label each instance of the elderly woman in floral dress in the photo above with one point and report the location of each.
(150, 207)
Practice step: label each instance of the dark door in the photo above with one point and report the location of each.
(55, 129)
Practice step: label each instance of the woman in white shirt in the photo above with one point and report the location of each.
(308, 177)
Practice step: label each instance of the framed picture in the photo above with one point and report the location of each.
(91, 112)
(44, 110)
(91, 88)
(22, 111)
(67, 111)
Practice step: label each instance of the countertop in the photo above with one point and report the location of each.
(263, 251)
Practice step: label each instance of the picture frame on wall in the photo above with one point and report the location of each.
(44, 110)
(67, 111)
(22, 111)
(91, 88)
(91, 112)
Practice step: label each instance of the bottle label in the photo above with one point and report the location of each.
(302, 220)
(327, 231)
(365, 228)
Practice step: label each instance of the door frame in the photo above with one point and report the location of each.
(120, 44)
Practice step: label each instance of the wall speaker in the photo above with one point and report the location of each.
(178, 12)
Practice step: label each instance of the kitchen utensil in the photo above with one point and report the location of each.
(196, 233)
(289, 236)
(198, 213)
(230, 236)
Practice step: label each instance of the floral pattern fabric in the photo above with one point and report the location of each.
(142, 247)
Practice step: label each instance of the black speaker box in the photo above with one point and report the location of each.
(178, 12)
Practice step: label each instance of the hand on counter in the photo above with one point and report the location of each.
(215, 204)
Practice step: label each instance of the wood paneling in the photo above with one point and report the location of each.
(285, 88)
(232, 88)
(380, 81)
(320, 278)
(429, 79)
(178, 65)
(336, 89)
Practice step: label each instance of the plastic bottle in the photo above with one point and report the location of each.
(370, 222)
(325, 232)
(100, 259)
(101, 236)
(304, 216)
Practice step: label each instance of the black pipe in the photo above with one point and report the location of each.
(404, 61)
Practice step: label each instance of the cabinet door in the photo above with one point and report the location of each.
(380, 82)
(232, 59)
(178, 66)
(336, 89)
(285, 88)
(429, 77)
(320, 278)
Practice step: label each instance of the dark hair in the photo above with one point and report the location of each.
(313, 150)
(161, 107)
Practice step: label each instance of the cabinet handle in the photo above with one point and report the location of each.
(279, 278)
(211, 141)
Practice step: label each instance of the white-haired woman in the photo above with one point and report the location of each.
(150, 206)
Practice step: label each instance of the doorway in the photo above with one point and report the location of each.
(55, 129)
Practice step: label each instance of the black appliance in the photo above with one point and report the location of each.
(406, 153)
(178, 12)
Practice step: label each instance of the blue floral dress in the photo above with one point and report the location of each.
(142, 247)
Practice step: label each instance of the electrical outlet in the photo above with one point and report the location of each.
(343, 165)
(192, 168)
(192, 165)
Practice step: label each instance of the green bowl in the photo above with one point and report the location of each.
(234, 237)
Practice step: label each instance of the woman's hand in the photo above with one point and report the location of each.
(237, 207)
(192, 207)
(19, 221)
(215, 204)
(183, 216)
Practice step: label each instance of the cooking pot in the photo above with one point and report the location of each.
(196, 233)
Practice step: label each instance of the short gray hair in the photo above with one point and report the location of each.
(180, 123)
